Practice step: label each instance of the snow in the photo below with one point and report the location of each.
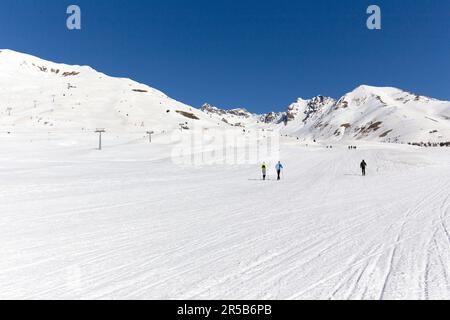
(42, 96)
(39, 95)
(381, 114)
(128, 223)
(165, 221)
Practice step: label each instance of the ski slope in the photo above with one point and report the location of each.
(43, 96)
(126, 223)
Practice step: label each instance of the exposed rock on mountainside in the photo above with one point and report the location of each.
(35, 94)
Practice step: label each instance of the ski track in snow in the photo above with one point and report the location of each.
(128, 223)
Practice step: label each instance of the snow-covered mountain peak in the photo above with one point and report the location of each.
(238, 112)
(22, 62)
(238, 117)
(381, 97)
(306, 109)
(38, 94)
(380, 113)
(207, 108)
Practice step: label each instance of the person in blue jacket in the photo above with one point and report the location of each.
(279, 168)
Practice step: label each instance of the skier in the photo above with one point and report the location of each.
(264, 171)
(363, 167)
(279, 167)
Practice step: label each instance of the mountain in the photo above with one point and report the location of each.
(303, 111)
(377, 114)
(367, 113)
(40, 95)
(239, 117)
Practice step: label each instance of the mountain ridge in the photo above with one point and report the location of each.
(36, 93)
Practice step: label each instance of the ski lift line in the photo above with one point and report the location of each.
(76, 132)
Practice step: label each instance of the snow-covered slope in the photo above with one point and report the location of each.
(367, 113)
(126, 223)
(38, 94)
(382, 114)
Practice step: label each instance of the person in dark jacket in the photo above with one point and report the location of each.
(363, 167)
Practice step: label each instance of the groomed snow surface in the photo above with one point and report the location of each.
(128, 223)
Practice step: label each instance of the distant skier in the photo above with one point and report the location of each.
(279, 168)
(363, 167)
(264, 171)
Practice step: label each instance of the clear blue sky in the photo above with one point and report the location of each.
(261, 55)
